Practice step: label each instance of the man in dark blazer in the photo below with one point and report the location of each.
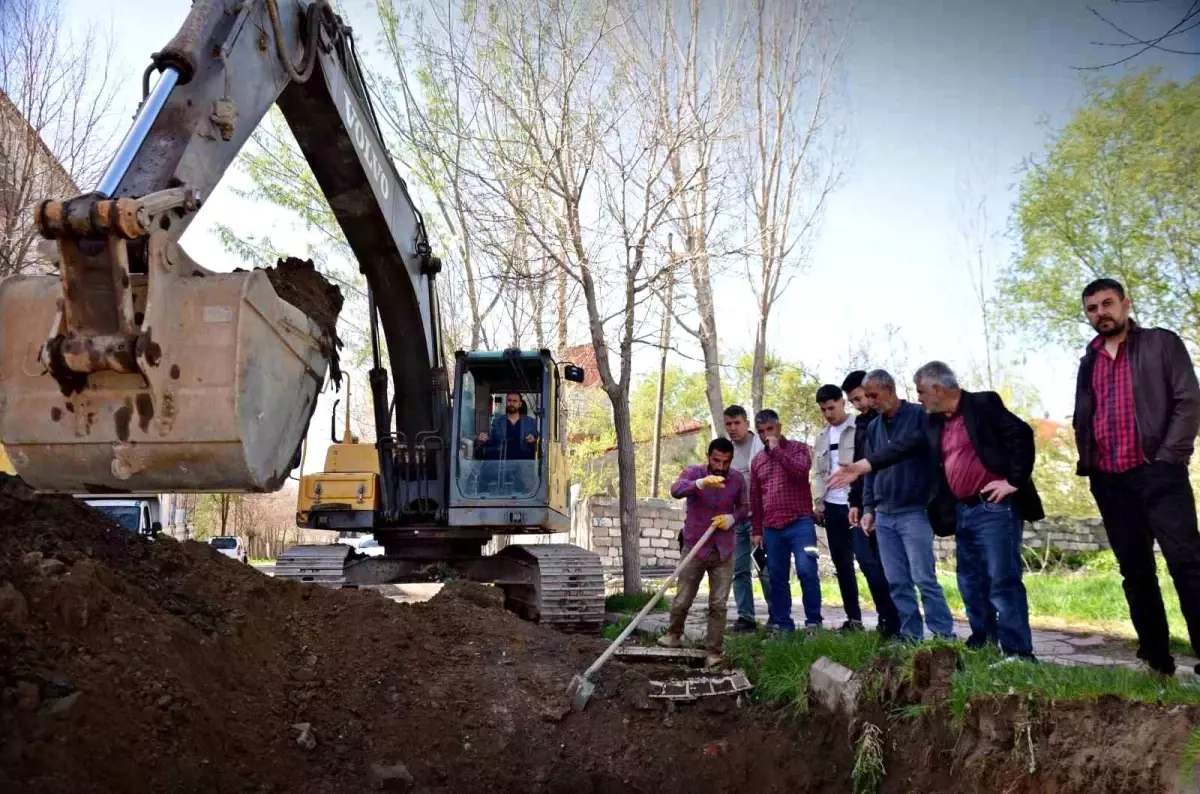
(983, 491)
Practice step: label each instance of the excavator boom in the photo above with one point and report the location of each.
(136, 368)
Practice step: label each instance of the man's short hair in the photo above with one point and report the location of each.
(765, 415)
(937, 373)
(881, 378)
(722, 445)
(854, 380)
(828, 392)
(735, 412)
(1102, 284)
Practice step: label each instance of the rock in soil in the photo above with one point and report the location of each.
(389, 778)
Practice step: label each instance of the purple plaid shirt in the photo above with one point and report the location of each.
(1118, 445)
(704, 505)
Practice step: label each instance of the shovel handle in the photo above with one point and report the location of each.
(633, 624)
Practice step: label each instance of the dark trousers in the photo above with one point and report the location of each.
(1149, 503)
(845, 544)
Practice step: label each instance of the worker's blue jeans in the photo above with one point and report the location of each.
(906, 550)
(988, 551)
(743, 574)
(797, 540)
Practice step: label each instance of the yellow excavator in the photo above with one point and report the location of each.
(137, 369)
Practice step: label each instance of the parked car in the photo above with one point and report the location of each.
(230, 546)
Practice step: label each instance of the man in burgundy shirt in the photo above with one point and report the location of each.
(781, 512)
(982, 488)
(715, 494)
(1137, 411)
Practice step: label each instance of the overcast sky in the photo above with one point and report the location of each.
(936, 94)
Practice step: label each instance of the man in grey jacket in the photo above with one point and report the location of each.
(835, 448)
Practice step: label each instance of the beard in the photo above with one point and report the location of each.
(1109, 327)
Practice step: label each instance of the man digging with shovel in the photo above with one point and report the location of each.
(716, 496)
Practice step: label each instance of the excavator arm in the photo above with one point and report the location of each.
(136, 368)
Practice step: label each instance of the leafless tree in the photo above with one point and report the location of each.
(56, 98)
(697, 73)
(978, 248)
(571, 150)
(791, 159)
(1172, 40)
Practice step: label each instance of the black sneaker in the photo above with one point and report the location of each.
(851, 626)
(743, 626)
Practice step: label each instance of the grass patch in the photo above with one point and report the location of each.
(979, 675)
(1082, 592)
(613, 630)
(262, 560)
(868, 760)
(622, 602)
(1188, 759)
(779, 669)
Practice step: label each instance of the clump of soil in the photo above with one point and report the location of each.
(298, 282)
(134, 665)
(1024, 745)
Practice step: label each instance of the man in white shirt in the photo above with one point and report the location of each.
(746, 445)
(835, 448)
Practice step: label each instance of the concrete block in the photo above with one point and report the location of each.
(834, 686)
(659, 543)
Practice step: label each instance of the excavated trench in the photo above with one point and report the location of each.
(129, 665)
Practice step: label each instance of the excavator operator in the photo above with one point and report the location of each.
(513, 435)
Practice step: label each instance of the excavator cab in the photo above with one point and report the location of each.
(510, 471)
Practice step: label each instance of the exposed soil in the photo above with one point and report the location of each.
(298, 282)
(152, 666)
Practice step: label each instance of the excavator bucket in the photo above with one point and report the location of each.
(217, 398)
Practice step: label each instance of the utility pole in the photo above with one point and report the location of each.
(664, 342)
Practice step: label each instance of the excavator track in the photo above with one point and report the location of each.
(561, 585)
(568, 592)
(317, 564)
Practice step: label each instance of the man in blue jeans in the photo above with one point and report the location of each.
(982, 466)
(781, 512)
(895, 501)
(746, 445)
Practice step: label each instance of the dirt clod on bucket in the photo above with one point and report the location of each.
(298, 282)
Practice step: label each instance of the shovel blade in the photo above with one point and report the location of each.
(578, 692)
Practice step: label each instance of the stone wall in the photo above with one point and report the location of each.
(1055, 532)
(596, 525)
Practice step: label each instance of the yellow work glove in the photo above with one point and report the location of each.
(711, 481)
(724, 521)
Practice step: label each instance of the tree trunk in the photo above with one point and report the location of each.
(758, 371)
(664, 341)
(560, 301)
(631, 563)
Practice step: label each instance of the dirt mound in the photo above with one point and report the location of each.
(145, 666)
(298, 282)
(130, 665)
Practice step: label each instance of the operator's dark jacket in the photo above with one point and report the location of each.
(1003, 442)
(1166, 398)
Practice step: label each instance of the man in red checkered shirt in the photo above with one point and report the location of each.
(781, 514)
(1137, 412)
